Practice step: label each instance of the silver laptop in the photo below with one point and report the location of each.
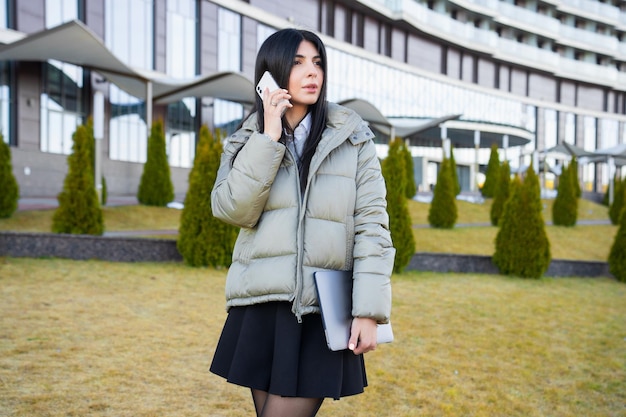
(334, 293)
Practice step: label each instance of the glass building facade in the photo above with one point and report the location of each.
(413, 60)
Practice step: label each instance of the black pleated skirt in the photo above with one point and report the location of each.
(264, 347)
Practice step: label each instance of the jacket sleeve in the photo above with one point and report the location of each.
(242, 186)
(373, 249)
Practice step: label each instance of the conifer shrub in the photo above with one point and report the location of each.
(443, 213)
(617, 255)
(204, 240)
(400, 225)
(410, 188)
(9, 188)
(501, 194)
(454, 173)
(79, 210)
(565, 207)
(578, 192)
(522, 246)
(104, 192)
(155, 186)
(491, 176)
(615, 209)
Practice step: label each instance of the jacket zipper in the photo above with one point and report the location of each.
(297, 304)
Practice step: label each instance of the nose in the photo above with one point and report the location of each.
(313, 69)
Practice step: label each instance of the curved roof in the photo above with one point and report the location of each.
(88, 50)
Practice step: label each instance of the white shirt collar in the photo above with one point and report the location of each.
(302, 130)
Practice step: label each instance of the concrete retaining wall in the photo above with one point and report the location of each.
(130, 249)
(119, 249)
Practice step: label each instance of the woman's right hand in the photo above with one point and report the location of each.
(275, 104)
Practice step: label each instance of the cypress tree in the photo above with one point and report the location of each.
(443, 211)
(615, 209)
(409, 186)
(393, 169)
(79, 210)
(204, 240)
(522, 246)
(502, 193)
(155, 187)
(493, 169)
(454, 173)
(617, 255)
(565, 207)
(10, 190)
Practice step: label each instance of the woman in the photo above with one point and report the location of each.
(302, 180)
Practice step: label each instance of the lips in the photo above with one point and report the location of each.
(310, 88)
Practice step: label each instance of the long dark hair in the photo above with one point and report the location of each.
(277, 55)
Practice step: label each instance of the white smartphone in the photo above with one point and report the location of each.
(266, 81)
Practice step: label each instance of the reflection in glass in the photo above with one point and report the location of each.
(129, 36)
(181, 63)
(5, 101)
(62, 108)
(129, 31)
(570, 128)
(227, 115)
(4, 21)
(60, 11)
(128, 133)
(589, 144)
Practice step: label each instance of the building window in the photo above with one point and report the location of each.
(129, 35)
(227, 114)
(5, 82)
(62, 106)
(569, 134)
(550, 128)
(5, 103)
(63, 95)
(181, 63)
(589, 144)
(128, 133)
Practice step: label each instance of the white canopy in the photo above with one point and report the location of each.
(87, 50)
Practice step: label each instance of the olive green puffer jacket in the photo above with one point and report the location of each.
(339, 222)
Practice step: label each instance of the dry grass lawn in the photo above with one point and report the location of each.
(118, 339)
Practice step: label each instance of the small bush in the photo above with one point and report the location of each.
(104, 192)
(10, 193)
(522, 246)
(155, 187)
(491, 176)
(204, 240)
(454, 173)
(615, 209)
(79, 210)
(400, 225)
(501, 194)
(565, 207)
(617, 255)
(410, 189)
(443, 212)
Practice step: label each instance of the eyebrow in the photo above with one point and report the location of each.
(302, 56)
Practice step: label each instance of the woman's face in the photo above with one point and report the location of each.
(306, 77)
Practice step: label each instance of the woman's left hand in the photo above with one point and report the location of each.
(362, 335)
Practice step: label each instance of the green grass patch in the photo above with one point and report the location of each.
(91, 338)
